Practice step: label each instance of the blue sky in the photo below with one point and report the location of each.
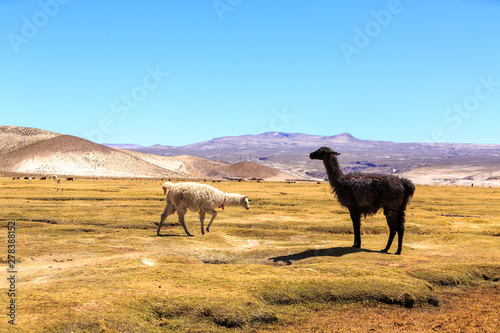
(179, 72)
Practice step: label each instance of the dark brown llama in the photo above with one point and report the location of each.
(366, 194)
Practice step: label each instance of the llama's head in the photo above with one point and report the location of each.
(322, 153)
(244, 203)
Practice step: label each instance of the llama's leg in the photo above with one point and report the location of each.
(202, 220)
(169, 210)
(392, 233)
(356, 224)
(401, 230)
(391, 217)
(181, 213)
(214, 214)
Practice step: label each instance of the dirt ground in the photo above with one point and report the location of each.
(461, 310)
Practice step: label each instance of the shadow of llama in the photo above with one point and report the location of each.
(366, 194)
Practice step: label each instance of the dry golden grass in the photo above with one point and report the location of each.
(90, 261)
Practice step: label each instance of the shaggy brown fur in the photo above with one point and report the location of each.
(366, 194)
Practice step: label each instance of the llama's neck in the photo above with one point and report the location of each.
(232, 199)
(335, 175)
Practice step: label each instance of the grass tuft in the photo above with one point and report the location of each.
(457, 274)
(341, 290)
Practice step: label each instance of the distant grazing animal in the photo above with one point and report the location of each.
(197, 198)
(70, 178)
(365, 194)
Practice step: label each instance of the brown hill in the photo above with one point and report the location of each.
(34, 151)
(253, 170)
(69, 155)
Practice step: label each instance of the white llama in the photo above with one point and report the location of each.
(199, 198)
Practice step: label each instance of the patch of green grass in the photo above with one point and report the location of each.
(456, 274)
(341, 290)
(228, 312)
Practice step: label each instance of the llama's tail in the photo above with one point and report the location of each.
(409, 191)
(166, 186)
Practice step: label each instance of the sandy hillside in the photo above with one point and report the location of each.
(13, 138)
(455, 175)
(184, 164)
(199, 167)
(69, 155)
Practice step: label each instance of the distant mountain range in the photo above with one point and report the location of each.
(270, 156)
(429, 163)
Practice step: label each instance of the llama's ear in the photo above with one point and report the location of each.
(335, 153)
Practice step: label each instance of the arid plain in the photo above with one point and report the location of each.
(88, 260)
